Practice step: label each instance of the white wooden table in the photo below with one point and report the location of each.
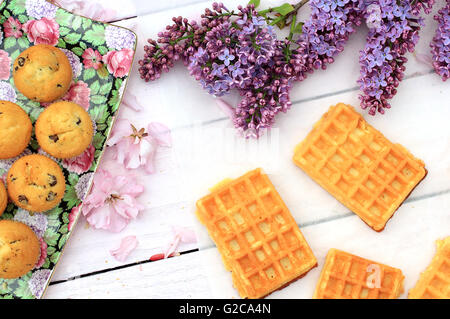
(206, 151)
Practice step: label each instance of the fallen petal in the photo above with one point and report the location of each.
(127, 245)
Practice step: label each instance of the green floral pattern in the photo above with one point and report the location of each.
(104, 87)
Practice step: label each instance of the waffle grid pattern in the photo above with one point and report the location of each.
(358, 165)
(346, 276)
(258, 238)
(435, 281)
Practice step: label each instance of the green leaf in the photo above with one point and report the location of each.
(98, 99)
(95, 87)
(78, 51)
(88, 74)
(23, 42)
(83, 45)
(298, 28)
(55, 257)
(64, 18)
(71, 196)
(99, 113)
(51, 237)
(255, 2)
(102, 50)
(9, 42)
(87, 23)
(22, 18)
(76, 23)
(105, 88)
(72, 38)
(63, 31)
(98, 141)
(284, 9)
(17, 6)
(61, 43)
(73, 179)
(96, 36)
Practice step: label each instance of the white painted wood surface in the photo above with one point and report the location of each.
(207, 150)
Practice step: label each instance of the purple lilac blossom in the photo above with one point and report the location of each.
(7, 92)
(383, 58)
(440, 45)
(37, 222)
(37, 282)
(39, 9)
(81, 188)
(119, 38)
(74, 61)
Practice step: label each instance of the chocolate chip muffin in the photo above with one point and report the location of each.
(19, 249)
(3, 198)
(42, 73)
(64, 130)
(15, 130)
(35, 183)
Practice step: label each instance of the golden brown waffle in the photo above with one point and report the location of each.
(346, 276)
(434, 282)
(358, 166)
(255, 233)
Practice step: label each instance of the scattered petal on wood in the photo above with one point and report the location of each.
(127, 245)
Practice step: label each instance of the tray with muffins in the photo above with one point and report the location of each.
(61, 83)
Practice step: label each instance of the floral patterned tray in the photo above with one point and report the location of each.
(101, 56)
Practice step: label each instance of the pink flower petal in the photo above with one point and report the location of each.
(181, 235)
(186, 234)
(160, 133)
(131, 101)
(127, 245)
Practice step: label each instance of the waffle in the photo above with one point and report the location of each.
(346, 276)
(358, 166)
(434, 282)
(257, 237)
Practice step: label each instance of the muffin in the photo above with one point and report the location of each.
(3, 198)
(19, 249)
(64, 130)
(35, 183)
(42, 73)
(15, 130)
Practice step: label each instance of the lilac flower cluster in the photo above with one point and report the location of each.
(393, 30)
(440, 45)
(244, 54)
(325, 34)
(178, 42)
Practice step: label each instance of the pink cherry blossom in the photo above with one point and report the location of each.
(79, 93)
(5, 65)
(119, 62)
(127, 245)
(135, 148)
(92, 59)
(112, 203)
(12, 28)
(81, 163)
(43, 31)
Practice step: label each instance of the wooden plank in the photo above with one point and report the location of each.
(408, 245)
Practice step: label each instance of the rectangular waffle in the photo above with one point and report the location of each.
(358, 166)
(434, 282)
(257, 237)
(346, 276)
